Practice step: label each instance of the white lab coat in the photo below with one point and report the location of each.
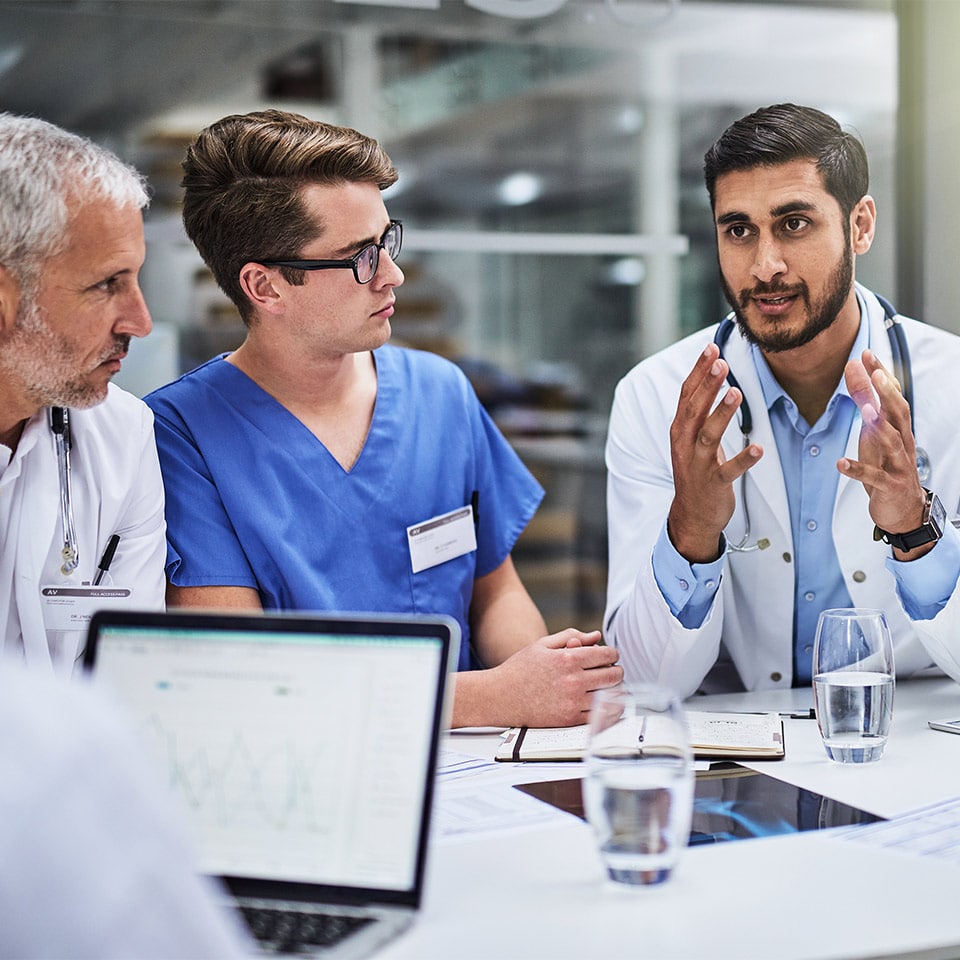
(746, 638)
(116, 488)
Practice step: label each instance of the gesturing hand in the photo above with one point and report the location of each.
(887, 464)
(704, 499)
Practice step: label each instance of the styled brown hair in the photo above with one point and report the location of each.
(243, 182)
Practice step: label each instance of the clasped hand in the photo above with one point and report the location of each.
(551, 681)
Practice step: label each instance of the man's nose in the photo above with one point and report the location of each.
(768, 262)
(135, 320)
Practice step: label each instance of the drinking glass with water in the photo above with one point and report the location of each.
(853, 682)
(638, 789)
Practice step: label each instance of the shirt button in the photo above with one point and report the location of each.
(808, 648)
(710, 584)
(809, 596)
(787, 558)
(814, 451)
(811, 525)
(684, 585)
(859, 576)
(776, 676)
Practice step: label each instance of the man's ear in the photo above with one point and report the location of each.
(260, 289)
(863, 223)
(9, 300)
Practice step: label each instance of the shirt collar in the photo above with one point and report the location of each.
(10, 464)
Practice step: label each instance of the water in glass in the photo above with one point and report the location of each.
(854, 710)
(638, 789)
(853, 683)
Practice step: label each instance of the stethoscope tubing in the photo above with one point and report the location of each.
(60, 425)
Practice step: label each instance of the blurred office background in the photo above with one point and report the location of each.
(556, 225)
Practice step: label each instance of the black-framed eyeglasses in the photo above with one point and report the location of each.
(364, 264)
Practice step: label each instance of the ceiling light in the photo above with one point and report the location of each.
(519, 188)
(626, 272)
(630, 119)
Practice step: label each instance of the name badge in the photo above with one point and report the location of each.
(68, 607)
(442, 538)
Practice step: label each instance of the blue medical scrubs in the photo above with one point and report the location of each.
(255, 500)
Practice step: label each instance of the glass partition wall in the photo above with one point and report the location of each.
(556, 227)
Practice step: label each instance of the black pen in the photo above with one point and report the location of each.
(785, 714)
(104, 565)
(475, 504)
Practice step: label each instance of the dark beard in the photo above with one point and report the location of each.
(821, 315)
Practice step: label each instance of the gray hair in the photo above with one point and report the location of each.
(42, 168)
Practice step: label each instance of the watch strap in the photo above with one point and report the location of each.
(929, 531)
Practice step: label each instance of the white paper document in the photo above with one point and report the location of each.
(932, 831)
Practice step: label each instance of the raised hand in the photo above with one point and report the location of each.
(704, 498)
(887, 454)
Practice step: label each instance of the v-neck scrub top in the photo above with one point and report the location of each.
(254, 499)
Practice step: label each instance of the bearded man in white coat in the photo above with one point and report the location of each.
(81, 499)
(792, 474)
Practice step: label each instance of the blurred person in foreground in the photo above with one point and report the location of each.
(317, 467)
(80, 483)
(96, 863)
(791, 476)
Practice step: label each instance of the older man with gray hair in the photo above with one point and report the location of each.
(81, 500)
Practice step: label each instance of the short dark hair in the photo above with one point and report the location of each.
(784, 132)
(243, 188)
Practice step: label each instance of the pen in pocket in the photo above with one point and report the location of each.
(104, 565)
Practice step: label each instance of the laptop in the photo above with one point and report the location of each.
(304, 749)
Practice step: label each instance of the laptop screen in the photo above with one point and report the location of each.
(303, 749)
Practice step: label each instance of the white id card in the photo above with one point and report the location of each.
(67, 607)
(442, 538)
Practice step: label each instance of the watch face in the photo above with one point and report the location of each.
(938, 516)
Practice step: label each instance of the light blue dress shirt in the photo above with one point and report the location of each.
(808, 457)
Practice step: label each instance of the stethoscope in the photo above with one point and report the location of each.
(60, 425)
(902, 370)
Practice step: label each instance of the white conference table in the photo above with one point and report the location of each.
(541, 891)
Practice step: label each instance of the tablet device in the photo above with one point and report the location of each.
(732, 803)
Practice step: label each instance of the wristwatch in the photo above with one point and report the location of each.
(934, 518)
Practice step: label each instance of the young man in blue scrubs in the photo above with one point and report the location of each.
(317, 467)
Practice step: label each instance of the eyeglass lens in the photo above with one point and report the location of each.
(369, 257)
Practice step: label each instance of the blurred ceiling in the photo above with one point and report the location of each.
(462, 92)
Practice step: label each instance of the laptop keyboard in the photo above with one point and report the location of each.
(288, 931)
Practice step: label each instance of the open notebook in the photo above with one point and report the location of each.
(304, 749)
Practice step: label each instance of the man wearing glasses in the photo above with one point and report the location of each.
(317, 467)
